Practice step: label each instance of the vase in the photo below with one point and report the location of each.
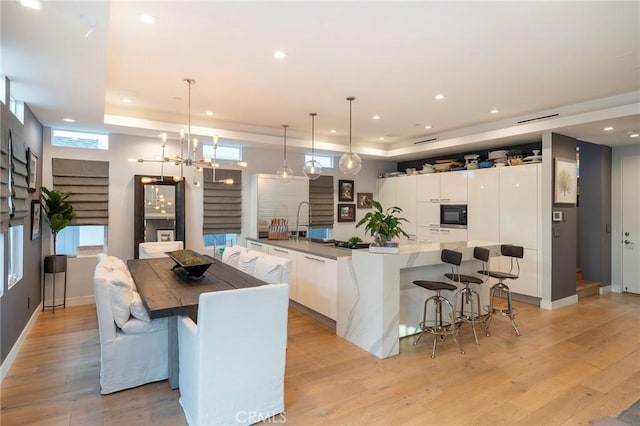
(381, 240)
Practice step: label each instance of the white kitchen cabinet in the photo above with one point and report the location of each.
(448, 235)
(406, 200)
(449, 187)
(428, 234)
(291, 255)
(428, 214)
(252, 245)
(387, 191)
(317, 283)
(519, 208)
(453, 187)
(483, 205)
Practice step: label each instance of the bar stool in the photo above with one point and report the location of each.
(466, 294)
(438, 326)
(515, 253)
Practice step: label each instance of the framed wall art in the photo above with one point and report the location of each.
(35, 219)
(565, 182)
(345, 190)
(165, 235)
(346, 213)
(364, 200)
(32, 170)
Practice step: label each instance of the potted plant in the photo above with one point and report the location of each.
(58, 214)
(383, 225)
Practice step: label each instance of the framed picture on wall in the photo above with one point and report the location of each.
(346, 213)
(364, 200)
(345, 190)
(165, 235)
(32, 170)
(35, 219)
(565, 182)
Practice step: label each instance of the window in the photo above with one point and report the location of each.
(326, 161)
(1, 265)
(72, 139)
(16, 108)
(224, 152)
(3, 95)
(319, 233)
(215, 240)
(15, 266)
(73, 236)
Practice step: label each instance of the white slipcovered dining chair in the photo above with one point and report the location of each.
(158, 249)
(273, 269)
(232, 361)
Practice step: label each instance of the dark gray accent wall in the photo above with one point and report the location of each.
(18, 304)
(594, 213)
(563, 242)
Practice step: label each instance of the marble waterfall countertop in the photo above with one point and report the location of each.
(377, 302)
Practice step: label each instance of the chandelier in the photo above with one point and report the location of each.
(285, 171)
(350, 162)
(189, 159)
(312, 169)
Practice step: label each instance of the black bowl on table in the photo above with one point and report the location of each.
(194, 264)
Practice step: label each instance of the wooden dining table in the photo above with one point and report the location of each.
(170, 293)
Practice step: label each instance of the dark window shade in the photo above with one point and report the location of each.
(321, 201)
(4, 183)
(87, 183)
(222, 204)
(18, 166)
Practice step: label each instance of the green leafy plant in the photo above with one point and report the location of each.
(355, 240)
(384, 223)
(58, 211)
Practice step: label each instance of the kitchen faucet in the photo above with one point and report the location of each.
(298, 217)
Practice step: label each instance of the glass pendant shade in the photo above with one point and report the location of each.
(350, 162)
(285, 171)
(312, 169)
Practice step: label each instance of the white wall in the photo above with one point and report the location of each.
(121, 172)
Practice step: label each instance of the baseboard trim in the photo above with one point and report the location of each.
(313, 314)
(8, 361)
(560, 303)
(74, 301)
(605, 289)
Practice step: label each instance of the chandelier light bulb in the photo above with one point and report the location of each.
(312, 169)
(285, 171)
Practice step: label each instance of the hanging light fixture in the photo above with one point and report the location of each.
(189, 159)
(285, 171)
(312, 169)
(350, 162)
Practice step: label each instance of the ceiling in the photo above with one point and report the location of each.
(579, 60)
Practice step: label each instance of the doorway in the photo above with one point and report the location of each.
(630, 238)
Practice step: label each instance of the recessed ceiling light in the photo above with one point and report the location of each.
(494, 111)
(147, 19)
(375, 117)
(608, 129)
(69, 120)
(31, 4)
(332, 131)
(209, 113)
(634, 135)
(439, 97)
(381, 138)
(427, 127)
(126, 100)
(279, 54)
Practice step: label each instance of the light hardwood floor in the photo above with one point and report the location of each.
(571, 366)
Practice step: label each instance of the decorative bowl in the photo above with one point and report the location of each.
(194, 264)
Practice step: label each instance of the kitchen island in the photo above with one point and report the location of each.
(370, 295)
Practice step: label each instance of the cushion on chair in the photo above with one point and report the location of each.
(112, 263)
(158, 249)
(121, 294)
(231, 255)
(269, 269)
(137, 308)
(247, 261)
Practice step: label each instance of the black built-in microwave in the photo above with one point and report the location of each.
(453, 215)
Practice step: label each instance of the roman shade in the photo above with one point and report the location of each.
(222, 204)
(321, 202)
(4, 183)
(87, 183)
(18, 182)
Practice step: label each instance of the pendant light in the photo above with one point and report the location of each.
(285, 172)
(350, 162)
(312, 169)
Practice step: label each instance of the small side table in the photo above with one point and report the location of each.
(55, 264)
